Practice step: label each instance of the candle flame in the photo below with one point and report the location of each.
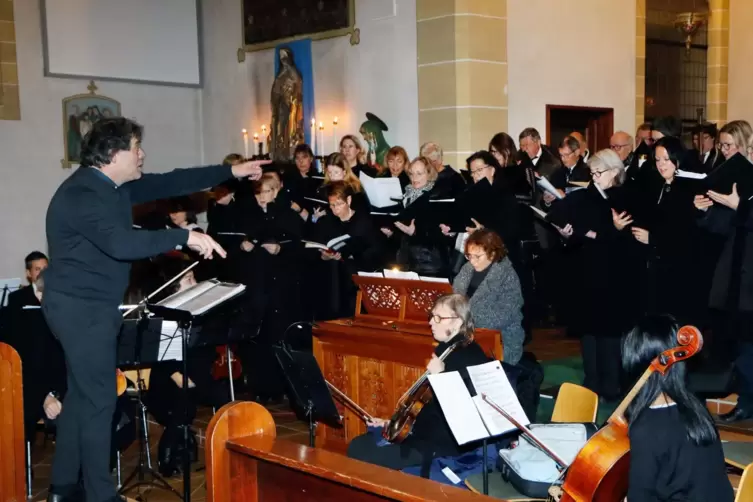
(313, 121)
(256, 135)
(321, 125)
(335, 121)
(264, 128)
(244, 132)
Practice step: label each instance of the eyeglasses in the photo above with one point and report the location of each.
(563, 154)
(438, 318)
(337, 204)
(474, 172)
(617, 147)
(476, 256)
(597, 174)
(727, 146)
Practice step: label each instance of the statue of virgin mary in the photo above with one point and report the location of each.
(287, 109)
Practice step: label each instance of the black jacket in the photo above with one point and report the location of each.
(90, 234)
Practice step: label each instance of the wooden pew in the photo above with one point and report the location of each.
(245, 462)
(12, 458)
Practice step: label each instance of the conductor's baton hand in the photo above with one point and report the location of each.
(204, 245)
(250, 169)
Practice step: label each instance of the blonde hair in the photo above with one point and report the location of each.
(740, 131)
(269, 180)
(361, 157)
(432, 152)
(431, 171)
(350, 179)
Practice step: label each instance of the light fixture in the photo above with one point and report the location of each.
(688, 23)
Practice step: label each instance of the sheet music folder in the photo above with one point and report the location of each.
(150, 342)
(197, 300)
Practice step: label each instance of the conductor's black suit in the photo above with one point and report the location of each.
(91, 242)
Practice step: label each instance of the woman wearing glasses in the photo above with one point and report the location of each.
(451, 324)
(603, 272)
(489, 280)
(733, 138)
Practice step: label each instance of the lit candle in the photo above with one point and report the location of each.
(256, 143)
(321, 137)
(245, 142)
(334, 134)
(263, 137)
(312, 136)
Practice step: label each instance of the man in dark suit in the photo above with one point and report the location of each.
(92, 242)
(573, 169)
(709, 154)
(543, 160)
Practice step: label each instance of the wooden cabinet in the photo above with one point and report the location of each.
(378, 354)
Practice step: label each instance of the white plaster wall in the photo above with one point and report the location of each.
(31, 149)
(570, 53)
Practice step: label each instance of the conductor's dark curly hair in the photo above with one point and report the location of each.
(106, 138)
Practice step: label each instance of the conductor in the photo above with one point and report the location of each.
(91, 242)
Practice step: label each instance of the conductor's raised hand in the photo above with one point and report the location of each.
(250, 169)
(204, 245)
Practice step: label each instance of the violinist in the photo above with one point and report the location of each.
(451, 323)
(675, 450)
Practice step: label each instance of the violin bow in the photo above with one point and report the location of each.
(525, 430)
(349, 402)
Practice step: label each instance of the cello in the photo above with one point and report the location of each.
(599, 472)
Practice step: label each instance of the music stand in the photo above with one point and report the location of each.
(138, 344)
(309, 395)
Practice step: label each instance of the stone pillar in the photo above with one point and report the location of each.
(717, 62)
(462, 74)
(10, 108)
(640, 63)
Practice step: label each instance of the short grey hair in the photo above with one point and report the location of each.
(570, 142)
(461, 307)
(608, 160)
(531, 132)
(432, 151)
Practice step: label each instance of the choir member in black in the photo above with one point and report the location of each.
(672, 126)
(675, 244)
(337, 169)
(573, 168)
(355, 156)
(709, 154)
(363, 251)
(601, 273)
(516, 176)
(622, 143)
(490, 283)
(222, 225)
(270, 271)
(300, 183)
(181, 214)
(731, 216)
(675, 449)
(397, 161)
(449, 182)
(733, 138)
(422, 248)
(452, 325)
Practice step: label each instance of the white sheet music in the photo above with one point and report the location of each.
(381, 191)
(170, 342)
(457, 406)
(490, 379)
(399, 274)
(202, 297)
(547, 186)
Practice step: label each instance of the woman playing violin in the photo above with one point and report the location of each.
(451, 325)
(676, 453)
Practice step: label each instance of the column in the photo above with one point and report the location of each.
(462, 74)
(640, 62)
(717, 62)
(10, 108)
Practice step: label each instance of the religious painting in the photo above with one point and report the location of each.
(267, 23)
(80, 112)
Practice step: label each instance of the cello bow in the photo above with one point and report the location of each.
(350, 403)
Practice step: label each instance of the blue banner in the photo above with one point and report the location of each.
(302, 58)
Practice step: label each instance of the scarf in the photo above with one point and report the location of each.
(411, 193)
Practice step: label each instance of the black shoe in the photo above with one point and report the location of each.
(736, 415)
(66, 493)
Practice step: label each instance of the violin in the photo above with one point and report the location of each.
(226, 359)
(413, 401)
(599, 472)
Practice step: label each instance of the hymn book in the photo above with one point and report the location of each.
(332, 246)
(382, 192)
(470, 418)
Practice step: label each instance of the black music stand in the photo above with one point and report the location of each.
(138, 345)
(309, 395)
